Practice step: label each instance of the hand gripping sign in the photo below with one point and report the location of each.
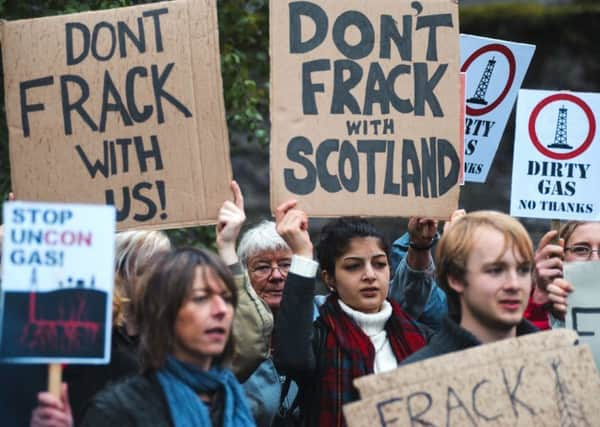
(556, 162)
(495, 70)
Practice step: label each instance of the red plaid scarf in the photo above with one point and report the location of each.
(350, 354)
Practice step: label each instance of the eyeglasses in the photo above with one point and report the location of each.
(263, 271)
(582, 251)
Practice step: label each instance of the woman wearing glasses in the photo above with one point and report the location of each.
(582, 241)
(578, 241)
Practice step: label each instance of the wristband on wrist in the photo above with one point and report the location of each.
(416, 247)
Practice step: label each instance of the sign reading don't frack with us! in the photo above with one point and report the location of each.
(556, 162)
(120, 107)
(365, 107)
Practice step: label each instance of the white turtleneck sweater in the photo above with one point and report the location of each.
(373, 325)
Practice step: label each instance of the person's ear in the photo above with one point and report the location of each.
(456, 284)
(328, 280)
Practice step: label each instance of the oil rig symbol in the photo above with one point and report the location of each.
(560, 136)
(484, 82)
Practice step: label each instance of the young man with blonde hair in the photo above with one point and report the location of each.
(484, 264)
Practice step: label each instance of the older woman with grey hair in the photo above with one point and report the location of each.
(260, 266)
(267, 258)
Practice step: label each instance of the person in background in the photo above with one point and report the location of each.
(260, 266)
(185, 309)
(358, 331)
(577, 241)
(484, 264)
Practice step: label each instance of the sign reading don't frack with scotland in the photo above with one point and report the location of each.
(365, 107)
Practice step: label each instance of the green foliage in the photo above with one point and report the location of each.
(243, 32)
(194, 236)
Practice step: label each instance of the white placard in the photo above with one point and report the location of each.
(583, 314)
(556, 160)
(57, 283)
(495, 70)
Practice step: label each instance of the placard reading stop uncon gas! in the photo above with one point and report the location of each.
(556, 158)
(57, 283)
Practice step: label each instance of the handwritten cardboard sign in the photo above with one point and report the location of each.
(554, 388)
(556, 161)
(122, 107)
(583, 314)
(495, 71)
(365, 107)
(57, 283)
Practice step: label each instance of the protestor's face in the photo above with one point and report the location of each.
(496, 286)
(268, 271)
(584, 240)
(362, 275)
(203, 323)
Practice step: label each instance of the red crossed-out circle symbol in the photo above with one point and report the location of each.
(562, 97)
(512, 68)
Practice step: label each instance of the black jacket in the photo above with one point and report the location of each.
(138, 401)
(87, 380)
(135, 401)
(452, 337)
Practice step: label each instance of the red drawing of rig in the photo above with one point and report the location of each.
(68, 333)
(66, 321)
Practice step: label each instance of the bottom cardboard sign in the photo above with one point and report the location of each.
(554, 388)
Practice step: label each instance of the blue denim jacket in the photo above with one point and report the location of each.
(263, 393)
(416, 291)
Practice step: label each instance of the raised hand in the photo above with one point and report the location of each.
(422, 231)
(292, 225)
(548, 260)
(455, 215)
(230, 220)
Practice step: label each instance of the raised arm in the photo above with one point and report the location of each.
(253, 321)
(294, 354)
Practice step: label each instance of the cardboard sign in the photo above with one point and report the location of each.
(556, 161)
(370, 385)
(57, 283)
(495, 71)
(554, 388)
(365, 107)
(583, 314)
(122, 107)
